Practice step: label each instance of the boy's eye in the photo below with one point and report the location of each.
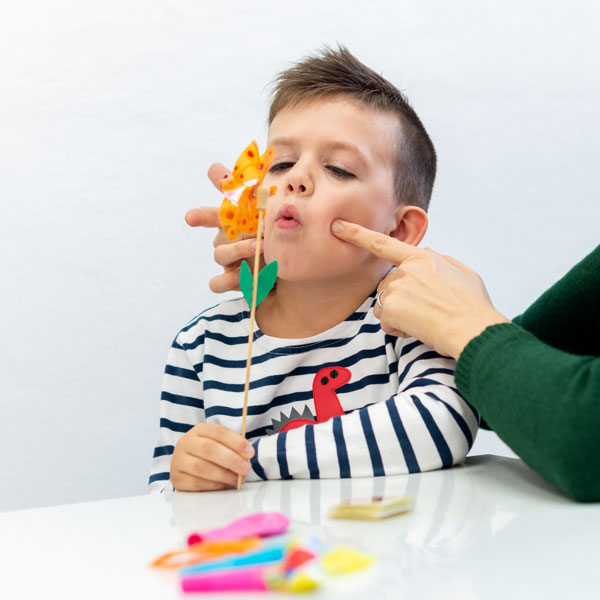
(282, 166)
(341, 173)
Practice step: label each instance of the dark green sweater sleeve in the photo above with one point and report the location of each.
(567, 316)
(540, 389)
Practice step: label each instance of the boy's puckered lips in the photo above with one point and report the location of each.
(288, 216)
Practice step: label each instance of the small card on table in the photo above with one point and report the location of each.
(372, 509)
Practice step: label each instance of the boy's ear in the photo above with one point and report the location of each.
(411, 225)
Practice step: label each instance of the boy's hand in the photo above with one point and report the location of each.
(227, 254)
(431, 297)
(210, 457)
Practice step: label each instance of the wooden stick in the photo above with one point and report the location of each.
(262, 194)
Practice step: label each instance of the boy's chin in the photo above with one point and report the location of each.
(312, 275)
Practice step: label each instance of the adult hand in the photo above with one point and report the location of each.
(227, 254)
(209, 457)
(431, 297)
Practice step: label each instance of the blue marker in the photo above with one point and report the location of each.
(264, 556)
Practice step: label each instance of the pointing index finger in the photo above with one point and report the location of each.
(381, 245)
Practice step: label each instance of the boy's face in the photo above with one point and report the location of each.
(333, 159)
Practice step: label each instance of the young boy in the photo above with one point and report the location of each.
(331, 394)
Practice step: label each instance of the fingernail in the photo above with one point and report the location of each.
(337, 226)
(245, 468)
(248, 451)
(253, 245)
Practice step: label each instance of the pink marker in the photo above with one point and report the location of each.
(251, 579)
(258, 524)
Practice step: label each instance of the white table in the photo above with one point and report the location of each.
(489, 529)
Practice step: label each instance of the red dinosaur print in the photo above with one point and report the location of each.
(327, 405)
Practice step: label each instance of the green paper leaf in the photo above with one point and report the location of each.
(266, 280)
(246, 282)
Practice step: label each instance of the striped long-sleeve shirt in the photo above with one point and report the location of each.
(380, 404)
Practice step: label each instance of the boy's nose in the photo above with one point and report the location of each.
(301, 184)
(300, 187)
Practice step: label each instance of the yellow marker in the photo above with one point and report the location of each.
(342, 560)
(301, 582)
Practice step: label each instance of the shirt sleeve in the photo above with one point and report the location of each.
(426, 425)
(565, 316)
(181, 407)
(543, 402)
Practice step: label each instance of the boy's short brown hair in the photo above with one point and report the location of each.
(336, 72)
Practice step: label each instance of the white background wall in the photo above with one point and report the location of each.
(110, 114)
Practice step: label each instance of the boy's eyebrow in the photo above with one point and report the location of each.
(281, 141)
(337, 145)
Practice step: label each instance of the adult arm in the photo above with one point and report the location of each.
(426, 425)
(564, 316)
(543, 401)
(433, 298)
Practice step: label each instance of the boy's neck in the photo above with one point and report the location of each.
(299, 310)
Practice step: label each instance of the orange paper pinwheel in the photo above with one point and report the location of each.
(242, 211)
(238, 212)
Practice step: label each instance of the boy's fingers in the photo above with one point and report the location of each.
(206, 472)
(210, 458)
(227, 437)
(216, 172)
(379, 244)
(205, 216)
(199, 467)
(185, 482)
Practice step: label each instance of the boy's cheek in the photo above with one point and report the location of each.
(371, 215)
(359, 217)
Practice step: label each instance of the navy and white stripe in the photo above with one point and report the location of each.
(403, 412)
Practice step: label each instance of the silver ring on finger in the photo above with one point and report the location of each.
(378, 298)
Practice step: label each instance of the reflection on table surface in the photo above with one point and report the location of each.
(489, 529)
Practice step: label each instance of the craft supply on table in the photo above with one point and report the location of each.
(262, 556)
(372, 509)
(201, 551)
(306, 575)
(253, 579)
(281, 562)
(258, 524)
